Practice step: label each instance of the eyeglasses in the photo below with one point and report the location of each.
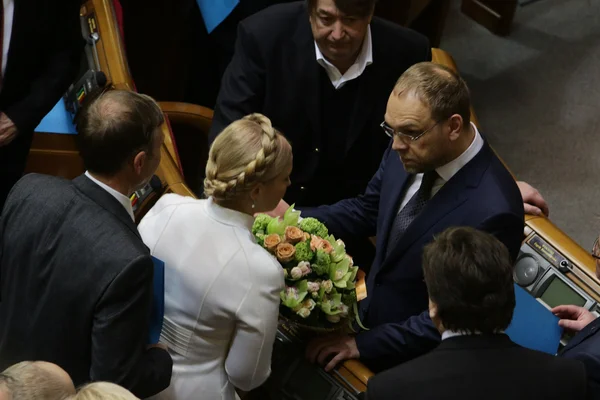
(391, 132)
(594, 250)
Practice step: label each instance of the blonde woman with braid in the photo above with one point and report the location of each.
(221, 288)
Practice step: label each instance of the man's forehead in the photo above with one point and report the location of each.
(329, 7)
(406, 104)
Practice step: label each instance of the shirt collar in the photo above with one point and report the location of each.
(446, 172)
(364, 59)
(121, 198)
(228, 216)
(449, 334)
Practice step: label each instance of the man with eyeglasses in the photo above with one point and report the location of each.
(438, 172)
(585, 345)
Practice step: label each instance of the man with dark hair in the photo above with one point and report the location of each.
(468, 274)
(438, 172)
(76, 277)
(321, 71)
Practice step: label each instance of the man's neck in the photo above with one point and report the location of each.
(344, 65)
(114, 183)
(463, 143)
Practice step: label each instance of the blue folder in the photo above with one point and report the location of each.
(158, 301)
(215, 11)
(58, 120)
(533, 325)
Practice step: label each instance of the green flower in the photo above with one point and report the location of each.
(260, 224)
(314, 227)
(303, 252)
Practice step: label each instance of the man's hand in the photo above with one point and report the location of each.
(340, 347)
(279, 210)
(8, 130)
(533, 202)
(573, 318)
(158, 346)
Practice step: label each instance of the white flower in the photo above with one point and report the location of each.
(296, 273)
(304, 267)
(315, 295)
(327, 285)
(303, 312)
(309, 303)
(313, 287)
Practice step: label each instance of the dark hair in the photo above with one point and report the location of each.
(115, 125)
(358, 8)
(440, 88)
(469, 278)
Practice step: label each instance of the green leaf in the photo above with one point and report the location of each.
(276, 226)
(291, 217)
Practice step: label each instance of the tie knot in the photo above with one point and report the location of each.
(428, 180)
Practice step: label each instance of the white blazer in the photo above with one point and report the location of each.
(221, 297)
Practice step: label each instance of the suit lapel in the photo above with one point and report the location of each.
(106, 201)
(450, 196)
(394, 197)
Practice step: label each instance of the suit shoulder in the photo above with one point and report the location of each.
(279, 19)
(398, 41)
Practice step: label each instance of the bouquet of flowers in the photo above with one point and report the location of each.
(320, 277)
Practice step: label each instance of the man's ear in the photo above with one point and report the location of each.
(433, 310)
(456, 126)
(139, 161)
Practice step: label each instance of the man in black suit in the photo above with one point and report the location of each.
(471, 301)
(40, 53)
(76, 277)
(321, 70)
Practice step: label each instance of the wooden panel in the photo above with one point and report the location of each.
(584, 272)
(495, 15)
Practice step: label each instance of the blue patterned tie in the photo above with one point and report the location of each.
(411, 210)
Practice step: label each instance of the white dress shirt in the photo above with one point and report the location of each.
(9, 10)
(364, 59)
(121, 198)
(221, 297)
(447, 171)
(450, 334)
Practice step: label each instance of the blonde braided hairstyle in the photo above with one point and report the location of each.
(247, 152)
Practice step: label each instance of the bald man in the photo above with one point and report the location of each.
(35, 380)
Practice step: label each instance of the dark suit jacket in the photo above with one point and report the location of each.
(43, 58)
(481, 367)
(482, 195)
(585, 347)
(77, 285)
(274, 71)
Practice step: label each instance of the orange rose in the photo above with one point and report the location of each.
(285, 252)
(293, 235)
(316, 243)
(271, 241)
